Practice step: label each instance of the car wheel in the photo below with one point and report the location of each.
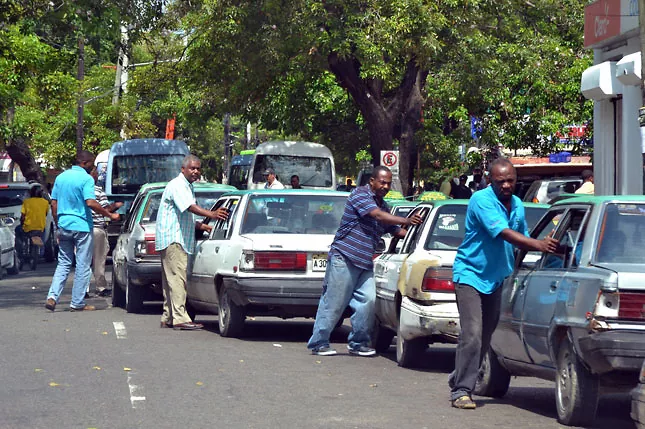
(493, 378)
(576, 389)
(118, 294)
(382, 338)
(133, 298)
(408, 352)
(15, 268)
(231, 316)
(51, 250)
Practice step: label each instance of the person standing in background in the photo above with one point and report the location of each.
(587, 187)
(33, 217)
(271, 180)
(295, 182)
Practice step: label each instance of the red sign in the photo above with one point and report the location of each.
(389, 159)
(170, 129)
(602, 21)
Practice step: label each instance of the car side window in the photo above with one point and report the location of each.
(547, 225)
(568, 233)
(131, 216)
(222, 229)
(414, 231)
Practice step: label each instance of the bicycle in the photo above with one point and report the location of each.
(30, 249)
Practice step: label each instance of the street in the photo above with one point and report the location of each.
(109, 369)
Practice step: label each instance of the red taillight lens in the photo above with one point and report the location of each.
(438, 280)
(146, 247)
(280, 261)
(631, 306)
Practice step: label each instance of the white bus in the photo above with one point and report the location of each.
(312, 162)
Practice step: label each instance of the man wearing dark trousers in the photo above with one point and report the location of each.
(495, 223)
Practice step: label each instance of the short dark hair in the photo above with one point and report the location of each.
(586, 174)
(463, 178)
(83, 156)
(296, 176)
(36, 191)
(377, 170)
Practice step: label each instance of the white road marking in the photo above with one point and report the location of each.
(119, 328)
(135, 393)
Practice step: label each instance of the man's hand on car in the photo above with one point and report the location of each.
(549, 244)
(115, 216)
(221, 213)
(414, 220)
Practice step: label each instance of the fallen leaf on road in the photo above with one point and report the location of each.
(340, 394)
(318, 361)
(199, 383)
(52, 384)
(241, 360)
(374, 385)
(67, 329)
(127, 369)
(104, 333)
(98, 368)
(38, 370)
(34, 288)
(277, 345)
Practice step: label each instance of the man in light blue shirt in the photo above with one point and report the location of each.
(175, 240)
(495, 223)
(73, 200)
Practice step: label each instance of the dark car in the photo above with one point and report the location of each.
(576, 316)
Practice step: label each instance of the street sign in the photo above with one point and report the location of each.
(390, 159)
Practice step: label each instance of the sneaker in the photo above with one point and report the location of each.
(464, 403)
(323, 351)
(50, 304)
(86, 308)
(361, 351)
(105, 292)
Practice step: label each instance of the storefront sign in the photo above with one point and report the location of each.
(608, 19)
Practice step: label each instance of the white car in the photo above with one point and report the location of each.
(268, 258)
(8, 254)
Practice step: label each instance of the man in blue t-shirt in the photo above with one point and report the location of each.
(495, 223)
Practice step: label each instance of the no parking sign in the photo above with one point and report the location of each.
(390, 159)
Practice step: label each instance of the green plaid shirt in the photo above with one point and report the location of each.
(175, 224)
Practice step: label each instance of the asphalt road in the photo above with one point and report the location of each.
(109, 369)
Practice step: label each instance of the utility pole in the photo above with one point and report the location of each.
(641, 111)
(227, 147)
(121, 67)
(80, 134)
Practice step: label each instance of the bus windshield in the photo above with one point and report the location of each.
(130, 172)
(312, 171)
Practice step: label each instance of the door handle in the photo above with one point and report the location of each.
(554, 285)
(217, 250)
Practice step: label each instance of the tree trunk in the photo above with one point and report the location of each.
(20, 154)
(80, 133)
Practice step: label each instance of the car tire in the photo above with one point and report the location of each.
(408, 352)
(576, 389)
(51, 250)
(15, 268)
(382, 338)
(231, 316)
(494, 379)
(133, 296)
(118, 294)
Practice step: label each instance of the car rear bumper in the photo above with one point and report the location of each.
(617, 350)
(418, 320)
(145, 273)
(275, 292)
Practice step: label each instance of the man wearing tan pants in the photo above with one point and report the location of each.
(175, 240)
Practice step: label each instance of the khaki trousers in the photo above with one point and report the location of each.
(101, 248)
(174, 262)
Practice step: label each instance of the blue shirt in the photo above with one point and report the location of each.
(71, 189)
(175, 224)
(485, 259)
(359, 233)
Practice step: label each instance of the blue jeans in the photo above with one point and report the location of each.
(68, 242)
(345, 284)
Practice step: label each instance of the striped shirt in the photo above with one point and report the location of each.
(175, 224)
(101, 198)
(359, 233)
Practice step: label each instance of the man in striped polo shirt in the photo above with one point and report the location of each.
(349, 278)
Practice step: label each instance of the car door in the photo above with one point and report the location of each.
(210, 254)
(388, 268)
(120, 252)
(508, 339)
(543, 286)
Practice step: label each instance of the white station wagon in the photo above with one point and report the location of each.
(267, 259)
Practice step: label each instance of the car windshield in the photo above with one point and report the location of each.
(533, 215)
(621, 234)
(448, 227)
(556, 188)
(150, 211)
(129, 173)
(312, 171)
(293, 214)
(12, 197)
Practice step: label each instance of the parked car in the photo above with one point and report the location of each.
(136, 272)
(8, 254)
(638, 400)
(12, 194)
(576, 316)
(544, 190)
(415, 297)
(268, 258)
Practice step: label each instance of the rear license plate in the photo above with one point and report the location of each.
(319, 261)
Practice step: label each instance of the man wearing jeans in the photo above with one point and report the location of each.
(349, 278)
(494, 224)
(73, 200)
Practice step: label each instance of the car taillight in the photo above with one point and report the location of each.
(438, 280)
(631, 305)
(145, 247)
(278, 261)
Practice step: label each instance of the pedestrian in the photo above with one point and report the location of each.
(272, 181)
(461, 191)
(99, 236)
(175, 240)
(472, 186)
(495, 223)
(349, 278)
(587, 183)
(73, 200)
(33, 217)
(295, 182)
